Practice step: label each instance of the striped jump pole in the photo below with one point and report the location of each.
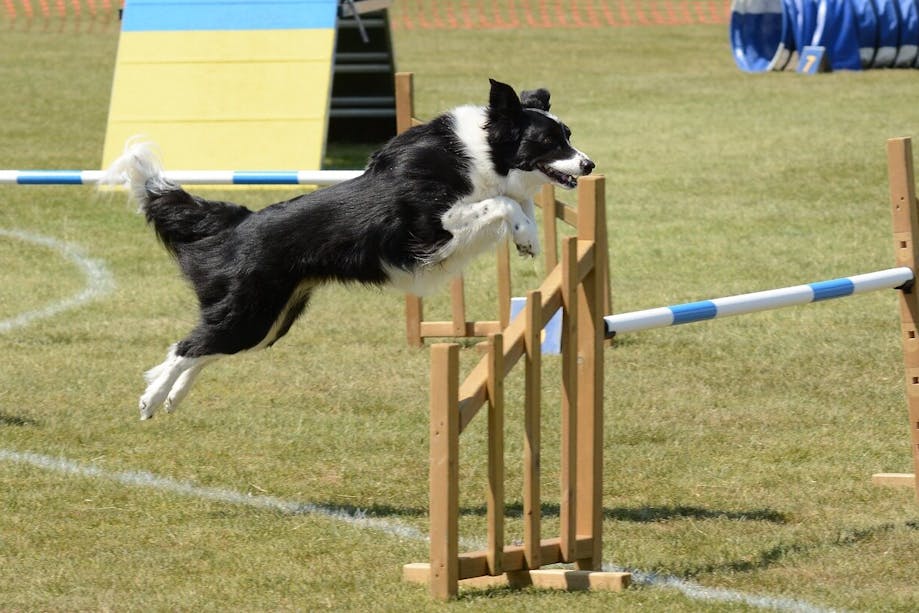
(661, 317)
(186, 177)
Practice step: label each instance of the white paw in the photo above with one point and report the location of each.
(146, 409)
(154, 395)
(526, 238)
(179, 391)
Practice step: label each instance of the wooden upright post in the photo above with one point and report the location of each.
(590, 302)
(495, 498)
(458, 307)
(532, 500)
(405, 101)
(905, 212)
(504, 284)
(444, 485)
(405, 113)
(546, 200)
(569, 464)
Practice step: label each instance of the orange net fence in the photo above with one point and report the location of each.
(550, 14)
(90, 15)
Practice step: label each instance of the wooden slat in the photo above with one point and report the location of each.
(495, 497)
(405, 101)
(504, 283)
(532, 498)
(405, 108)
(546, 201)
(905, 214)
(553, 578)
(444, 329)
(567, 214)
(416, 572)
(457, 306)
(472, 391)
(575, 580)
(414, 313)
(475, 563)
(585, 259)
(601, 238)
(569, 426)
(444, 470)
(590, 369)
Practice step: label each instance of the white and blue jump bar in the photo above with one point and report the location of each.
(661, 317)
(185, 177)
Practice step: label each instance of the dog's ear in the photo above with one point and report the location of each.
(535, 99)
(503, 99)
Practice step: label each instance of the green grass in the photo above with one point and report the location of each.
(738, 452)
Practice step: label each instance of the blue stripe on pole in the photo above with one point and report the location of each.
(281, 177)
(693, 311)
(836, 288)
(184, 15)
(50, 177)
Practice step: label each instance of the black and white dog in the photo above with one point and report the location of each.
(431, 200)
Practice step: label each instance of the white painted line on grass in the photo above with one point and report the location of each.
(358, 518)
(693, 590)
(147, 480)
(99, 280)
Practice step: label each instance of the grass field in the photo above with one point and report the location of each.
(738, 452)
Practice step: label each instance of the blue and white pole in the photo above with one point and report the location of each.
(186, 177)
(689, 312)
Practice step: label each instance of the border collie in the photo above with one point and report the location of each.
(431, 200)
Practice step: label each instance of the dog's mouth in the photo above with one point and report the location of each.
(565, 180)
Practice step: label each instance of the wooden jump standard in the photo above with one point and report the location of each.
(577, 286)
(905, 213)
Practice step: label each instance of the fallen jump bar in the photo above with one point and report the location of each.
(661, 317)
(186, 177)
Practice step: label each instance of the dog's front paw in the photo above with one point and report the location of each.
(526, 239)
(527, 250)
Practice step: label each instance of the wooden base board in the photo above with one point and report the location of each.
(894, 479)
(553, 578)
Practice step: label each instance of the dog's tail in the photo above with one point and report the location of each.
(177, 216)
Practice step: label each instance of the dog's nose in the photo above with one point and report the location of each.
(587, 166)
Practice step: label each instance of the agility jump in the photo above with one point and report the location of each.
(576, 286)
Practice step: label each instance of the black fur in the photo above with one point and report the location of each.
(254, 272)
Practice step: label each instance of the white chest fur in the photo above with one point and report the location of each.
(498, 207)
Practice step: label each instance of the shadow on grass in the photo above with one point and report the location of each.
(649, 514)
(514, 510)
(846, 537)
(16, 420)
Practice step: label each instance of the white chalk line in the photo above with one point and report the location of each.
(360, 519)
(99, 280)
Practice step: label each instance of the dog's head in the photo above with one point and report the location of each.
(525, 137)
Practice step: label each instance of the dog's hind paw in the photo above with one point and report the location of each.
(151, 400)
(146, 411)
